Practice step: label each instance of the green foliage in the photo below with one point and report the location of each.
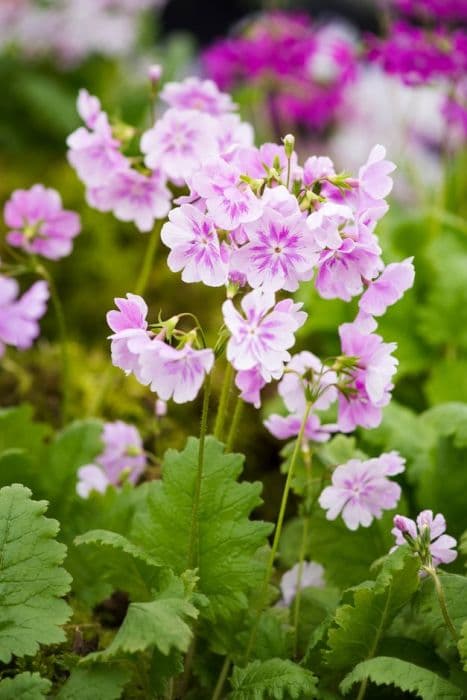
(99, 682)
(462, 645)
(385, 670)
(24, 686)
(32, 581)
(358, 626)
(226, 541)
(160, 623)
(430, 624)
(275, 679)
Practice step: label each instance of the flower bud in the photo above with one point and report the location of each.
(155, 73)
(289, 145)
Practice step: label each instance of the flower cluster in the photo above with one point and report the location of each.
(199, 123)
(444, 10)
(426, 538)
(39, 223)
(123, 458)
(305, 69)
(19, 315)
(360, 491)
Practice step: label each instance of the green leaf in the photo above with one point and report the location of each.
(276, 679)
(462, 645)
(99, 682)
(359, 626)
(24, 686)
(226, 540)
(32, 582)
(160, 623)
(105, 538)
(426, 608)
(386, 670)
(21, 446)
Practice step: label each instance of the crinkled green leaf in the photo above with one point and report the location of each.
(32, 582)
(427, 614)
(274, 679)
(226, 539)
(162, 623)
(99, 682)
(462, 645)
(106, 538)
(24, 686)
(359, 626)
(386, 670)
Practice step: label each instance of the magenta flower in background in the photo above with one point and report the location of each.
(285, 427)
(445, 10)
(370, 385)
(39, 222)
(261, 338)
(132, 196)
(195, 247)
(312, 575)
(280, 252)
(202, 95)
(390, 286)
(179, 142)
(360, 491)
(19, 315)
(442, 546)
(174, 373)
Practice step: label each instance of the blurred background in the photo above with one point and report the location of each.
(341, 75)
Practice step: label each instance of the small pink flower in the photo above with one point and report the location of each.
(370, 384)
(179, 142)
(196, 94)
(132, 196)
(285, 427)
(280, 252)
(390, 286)
(250, 382)
(441, 547)
(89, 108)
(174, 373)
(123, 452)
(195, 248)
(19, 315)
(129, 324)
(91, 478)
(373, 177)
(360, 490)
(316, 168)
(293, 383)
(40, 224)
(312, 575)
(229, 201)
(262, 337)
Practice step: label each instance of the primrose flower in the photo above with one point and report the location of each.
(195, 247)
(123, 452)
(91, 478)
(280, 252)
(229, 201)
(174, 373)
(202, 95)
(369, 387)
(306, 372)
(132, 196)
(39, 222)
(262, 336)
(312, 575)
(179, 142)
(390, 286)
(285, 427)
(129, 324)
(250, 382)
(361, 490)
(19, 315)
(426, 537)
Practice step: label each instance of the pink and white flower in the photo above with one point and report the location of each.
(196, 94)
(123, 452)
(129, 324)
(286, 427)
(91, 477)
(442, 546)
(312, 575)
(261, 338)
(306, 371)
(195, 247)
(39, 222)
(19, 315)
(361, 490)
(390, 286)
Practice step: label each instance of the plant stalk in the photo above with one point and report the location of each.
(431, 571)
(238, 411)
(148, 259)
(223, 402)
(217, 694)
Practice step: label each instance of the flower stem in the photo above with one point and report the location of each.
(221, 680)
(223, 402)
(62, 332)
(234, 425)
(148, 259)
(192, 547)
(306, 526)
(280, 522)
(431, 571)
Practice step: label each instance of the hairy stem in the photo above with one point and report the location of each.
(192, 547)
(223, 402)
(234, 424)
(279, 524)
(431, 571)
(221, 680)
(307, 457)
(148, 259)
